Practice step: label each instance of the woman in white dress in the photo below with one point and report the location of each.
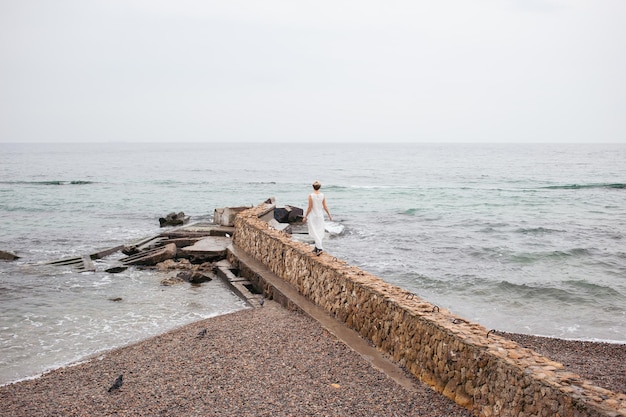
(314, 216)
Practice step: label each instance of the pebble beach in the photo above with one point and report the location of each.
(260, 362)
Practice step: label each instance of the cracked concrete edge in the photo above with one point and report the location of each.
(238, 284)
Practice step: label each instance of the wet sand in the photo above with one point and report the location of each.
(257, 362)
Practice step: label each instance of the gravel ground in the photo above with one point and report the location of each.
(602, 363)
(262, 362)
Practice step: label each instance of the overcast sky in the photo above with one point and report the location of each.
(308, 71)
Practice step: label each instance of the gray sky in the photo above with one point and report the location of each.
(307, 71)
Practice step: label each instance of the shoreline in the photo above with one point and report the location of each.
(266, 361)
(566, 351)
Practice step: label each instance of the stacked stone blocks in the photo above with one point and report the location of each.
(486, 373)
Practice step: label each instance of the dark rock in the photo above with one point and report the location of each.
(281, 214)
(205, 257)
(288, 214)
(116, 269)
(8, 256)
(130, 250)
(173, 219)
(194, 277)
(295, 214)
(185, 275)
(199, 277)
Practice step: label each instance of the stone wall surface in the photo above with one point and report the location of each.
(488, 374)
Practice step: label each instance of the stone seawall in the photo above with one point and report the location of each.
(486, 373)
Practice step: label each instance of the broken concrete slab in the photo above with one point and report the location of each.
(225, 216)
(196, 230)
(240, 285)
(283, 227)
(151, 257)
(210, 247)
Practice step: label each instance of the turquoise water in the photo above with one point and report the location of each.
(520, 238)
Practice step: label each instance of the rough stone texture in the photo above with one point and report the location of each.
(487, 373)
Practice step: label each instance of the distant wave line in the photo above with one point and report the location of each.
(370, 187)
(583, 186)
(537, 230)
(53, 182)
(577, 290)
(472, 186)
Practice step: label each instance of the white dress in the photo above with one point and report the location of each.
(315, 219)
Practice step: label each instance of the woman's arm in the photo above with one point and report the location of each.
(326, 209)
(308, 210)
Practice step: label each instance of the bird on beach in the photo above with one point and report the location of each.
(117, 384)
(262, 301)
(201, 334)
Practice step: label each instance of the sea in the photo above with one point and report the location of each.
(525, 238)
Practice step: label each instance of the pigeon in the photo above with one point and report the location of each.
(262, 301)
(201, 334)
(117, 384)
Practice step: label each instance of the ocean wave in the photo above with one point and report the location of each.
(585, 186)
(581, 292)
(537, 292)
(536, 230)
(551, 255)
(52, 182)
(370, 187)
(595, 289)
